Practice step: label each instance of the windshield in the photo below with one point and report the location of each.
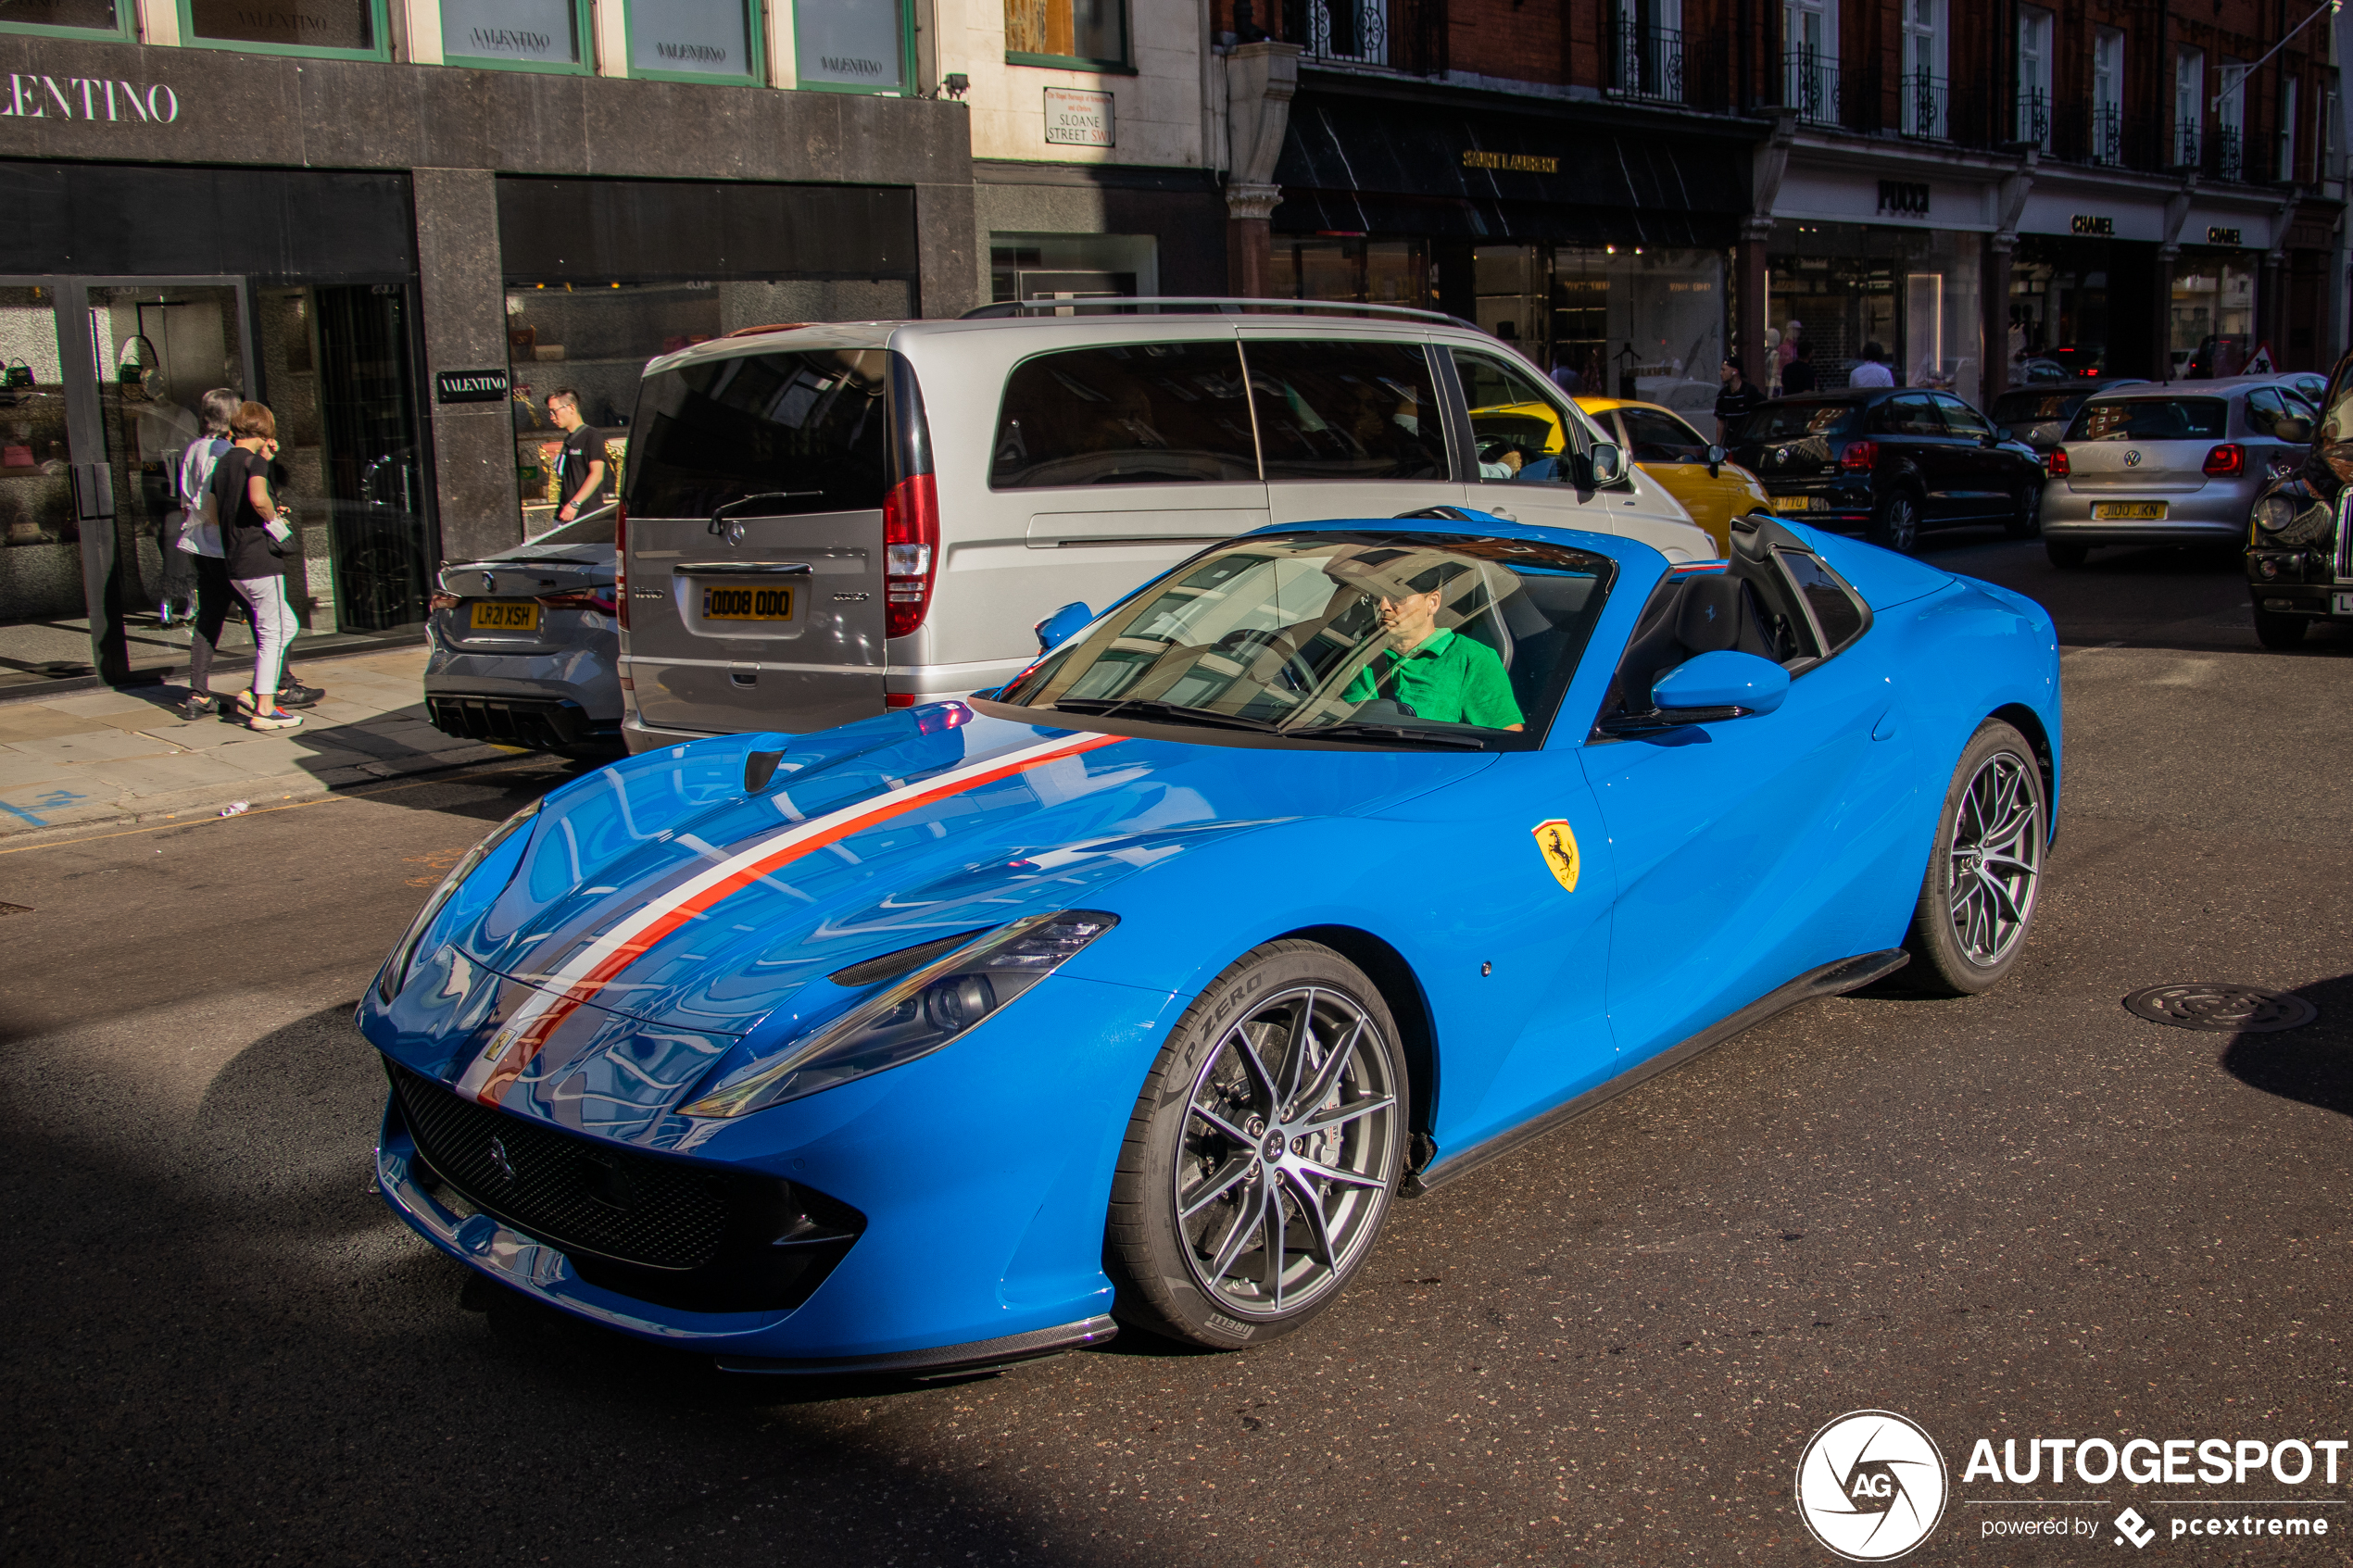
(1429, 639)
(2035, 407)
(2152, 419)
(597, 528)
(1793, 422)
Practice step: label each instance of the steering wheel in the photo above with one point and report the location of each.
(1297, 673)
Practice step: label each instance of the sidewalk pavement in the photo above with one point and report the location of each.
(129, 756)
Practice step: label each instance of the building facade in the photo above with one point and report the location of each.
(402, 224)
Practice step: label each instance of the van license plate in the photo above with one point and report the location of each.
(747, 604)
(2128, 511)
(1796, 503)
(505, 615)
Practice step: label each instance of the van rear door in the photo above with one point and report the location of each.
(754, 499)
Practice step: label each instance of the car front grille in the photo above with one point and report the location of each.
(663, 1230)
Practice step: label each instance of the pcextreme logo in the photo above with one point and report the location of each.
(1871, 1485)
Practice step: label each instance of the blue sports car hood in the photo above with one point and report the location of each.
(661, 909)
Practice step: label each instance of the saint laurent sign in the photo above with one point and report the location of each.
(1518, 163)
(27, 96)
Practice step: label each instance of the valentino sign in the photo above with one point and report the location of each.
(86, 97)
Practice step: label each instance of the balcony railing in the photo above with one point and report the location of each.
(2104, 139)
(1810, 85)
(2033, 121)
(1647, 62)
(2226, 153)
(2187, 147)
(1405, 35)
(1924, 108)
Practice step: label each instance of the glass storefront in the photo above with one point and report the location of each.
(2060, 310)
(2211, 317)
(1072, 266)
(1838, 286)
(1358, 271)
(595, 340)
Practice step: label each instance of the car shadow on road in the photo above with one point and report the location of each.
(2312, 1065)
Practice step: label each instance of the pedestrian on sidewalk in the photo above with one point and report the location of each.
(201, 542)
(255, 539)
(1735, 400)
(1871, 371)
(584, 477)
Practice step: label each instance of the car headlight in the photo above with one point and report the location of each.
(2274, 514)
(2289, 518)
(396, 969)
(916, 1015)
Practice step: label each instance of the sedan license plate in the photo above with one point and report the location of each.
(505, 615)
(2341, 604)
(747, 604)
(2128, 511)
(1796, 503)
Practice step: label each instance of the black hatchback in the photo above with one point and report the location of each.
(1890, 461)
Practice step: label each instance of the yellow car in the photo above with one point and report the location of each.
(1671, 451)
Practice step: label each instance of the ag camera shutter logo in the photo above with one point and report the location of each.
(1871, 1485)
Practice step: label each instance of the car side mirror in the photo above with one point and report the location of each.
(2293, 429)
(1724, 684)
(1061, 626)
(1607, 461)
(1715, 461)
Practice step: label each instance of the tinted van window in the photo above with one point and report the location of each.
(812, 429)
(1347, 411)
(1148, 413)
(2152, 419)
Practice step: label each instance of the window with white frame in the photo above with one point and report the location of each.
(2230, 121)
(1924, 105)
(1647, 49)
(1809, 32)
(2288, 130)
(2035, 35)
(2189, 105)
(2107, 96)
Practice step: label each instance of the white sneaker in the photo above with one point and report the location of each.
(276, 719)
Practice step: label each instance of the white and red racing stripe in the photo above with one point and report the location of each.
(555, 997)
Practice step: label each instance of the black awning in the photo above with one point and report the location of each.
(1368, 165)
(669, 230)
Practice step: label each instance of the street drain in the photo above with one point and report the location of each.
(2223, 1009)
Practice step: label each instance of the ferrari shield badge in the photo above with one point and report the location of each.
(1559, 846)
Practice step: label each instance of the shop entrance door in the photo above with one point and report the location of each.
(98, 400)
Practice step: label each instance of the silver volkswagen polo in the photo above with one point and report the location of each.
(524, 645)
(2174, 464)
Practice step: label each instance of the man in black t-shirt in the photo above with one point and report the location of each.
(583, 478)
(1736, 401)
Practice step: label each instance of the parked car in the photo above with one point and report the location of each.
(2038, 416)
(1694, 470)
(2299, 549)
(2170, 465)
(523, 646)
(740, 1046)
(1891, 462)
(826, 521)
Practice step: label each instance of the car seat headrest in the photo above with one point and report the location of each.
(1707, 619)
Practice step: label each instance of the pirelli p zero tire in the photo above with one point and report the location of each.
(1267, 1145)
(1984, 871)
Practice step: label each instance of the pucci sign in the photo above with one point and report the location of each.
(32, 97)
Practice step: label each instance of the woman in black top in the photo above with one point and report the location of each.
(253, 535)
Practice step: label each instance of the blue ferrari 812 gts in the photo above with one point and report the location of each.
(1334, 862)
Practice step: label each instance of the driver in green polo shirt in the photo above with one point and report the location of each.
(1437, 675)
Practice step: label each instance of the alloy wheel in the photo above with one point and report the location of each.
(1996, 858)
(1280, 1178)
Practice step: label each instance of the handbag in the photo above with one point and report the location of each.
(18, 374)
(137, 357)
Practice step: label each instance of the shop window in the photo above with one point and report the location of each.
(692, 40)
(1086, 33)
(850, 45)
(1357, 271)
(69, 18)
(1637, 321)
(342, 29)
(1072, 266)
(1913, 291)
(519, 34)
(2213, 314)
(594, 341)
(1346, 411)
(1153, 413)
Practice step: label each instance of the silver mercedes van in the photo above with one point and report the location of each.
(822, 521)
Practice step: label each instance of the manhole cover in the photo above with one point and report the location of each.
(2225, 1009)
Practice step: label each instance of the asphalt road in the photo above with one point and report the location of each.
(2028, 1214)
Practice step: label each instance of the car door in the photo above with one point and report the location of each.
(1984, 483)
(1737, 843)
(754, 550)
(1347, 428)
(1525, 446)
(1676, 455)
(1914, 444)
(2266, 406)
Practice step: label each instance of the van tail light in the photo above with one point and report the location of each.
(2055, 462)
(910, 552)
(601, 601)
(621, 563)
(2226, 461)
(1861, 457)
